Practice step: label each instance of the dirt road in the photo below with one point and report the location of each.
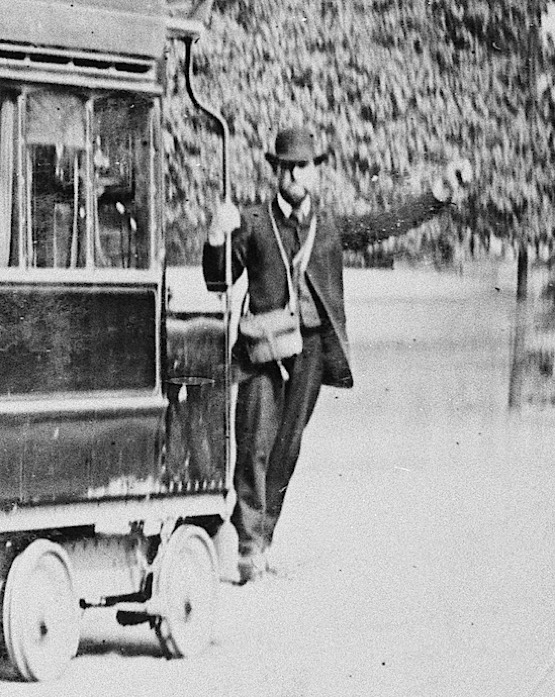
(416, 546)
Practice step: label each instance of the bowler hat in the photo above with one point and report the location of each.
(295, 145)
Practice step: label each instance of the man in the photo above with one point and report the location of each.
(273, 405)
(272, 412)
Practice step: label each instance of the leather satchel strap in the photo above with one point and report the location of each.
(292, 294)
(300, 260)
(302, 257)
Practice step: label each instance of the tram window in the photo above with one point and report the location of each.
(122, 172)
(56, 180)
(8, 207)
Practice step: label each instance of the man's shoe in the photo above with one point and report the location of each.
(251, 567)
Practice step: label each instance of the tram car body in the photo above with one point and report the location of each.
(113, 466)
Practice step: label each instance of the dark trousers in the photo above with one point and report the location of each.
(270, 420)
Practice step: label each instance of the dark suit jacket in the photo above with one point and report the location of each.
(256, 250)
(357, 232)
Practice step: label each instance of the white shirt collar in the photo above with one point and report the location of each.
(287, 209)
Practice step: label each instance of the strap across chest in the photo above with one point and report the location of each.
(302, 257)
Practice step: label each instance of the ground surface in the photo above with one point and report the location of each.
(417, 541)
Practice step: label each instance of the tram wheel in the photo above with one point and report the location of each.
(186, 584)
(40, 614)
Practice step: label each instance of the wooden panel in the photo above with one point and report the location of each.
(128, 27)
(55, 340)
(88, 454)
(196, 424)
(103, 451)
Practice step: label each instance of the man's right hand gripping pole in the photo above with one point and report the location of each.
(226, 220)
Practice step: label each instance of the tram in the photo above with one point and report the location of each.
(114, 433)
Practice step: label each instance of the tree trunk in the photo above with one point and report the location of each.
(518, 368)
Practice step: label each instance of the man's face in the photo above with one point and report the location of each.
(296, 180)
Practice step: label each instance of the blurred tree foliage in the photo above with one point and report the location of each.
(396, 89)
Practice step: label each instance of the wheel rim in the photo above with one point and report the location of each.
(40, 613)
(187, 586)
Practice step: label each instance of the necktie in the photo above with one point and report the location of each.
(296, 217)
(299, 221)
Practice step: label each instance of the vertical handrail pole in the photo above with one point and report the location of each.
(228, 271)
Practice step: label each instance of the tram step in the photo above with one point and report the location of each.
(127, 618)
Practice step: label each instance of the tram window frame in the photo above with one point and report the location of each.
(56, 215)
(90, 256)
(129, 207)
(9, 194)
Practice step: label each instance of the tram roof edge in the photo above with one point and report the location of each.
(124, 27)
